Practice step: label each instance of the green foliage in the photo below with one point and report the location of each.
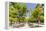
(16, 12)
(37, 14)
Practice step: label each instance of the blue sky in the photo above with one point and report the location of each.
(31, 5)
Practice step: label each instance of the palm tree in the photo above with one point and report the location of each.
(16, 10)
